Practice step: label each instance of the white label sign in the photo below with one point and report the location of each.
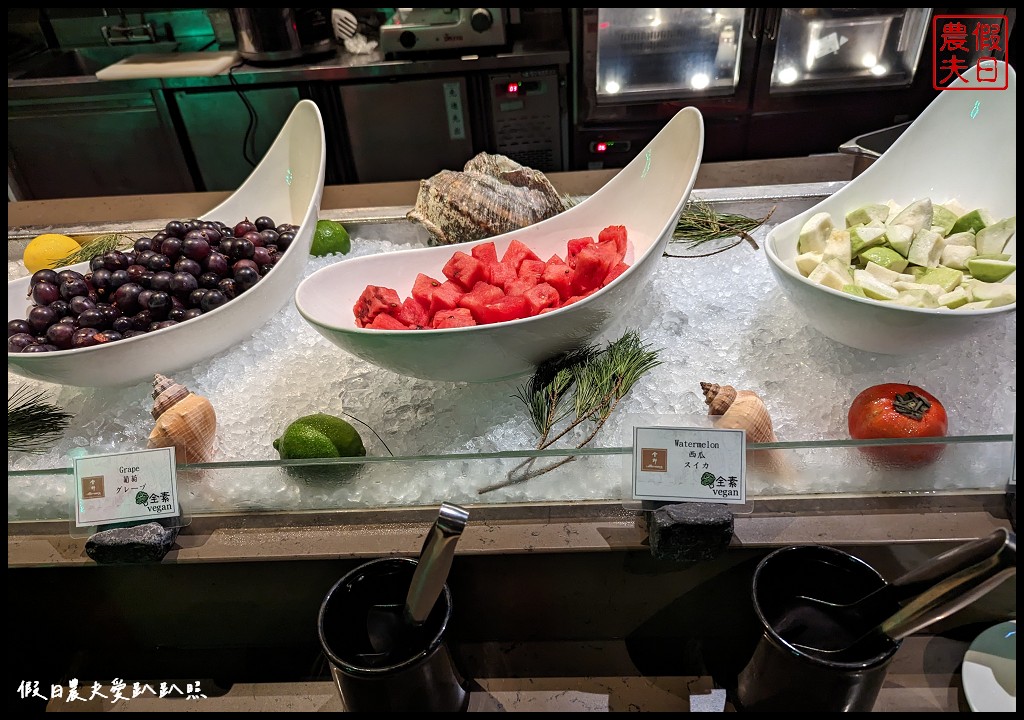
(453, 107)
(119, 487)
(689, 465)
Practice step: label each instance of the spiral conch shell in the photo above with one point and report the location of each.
(745, 410)
(183, 419)
(739, 410)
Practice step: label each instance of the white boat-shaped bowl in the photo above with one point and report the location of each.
(963, 147)
(647, 197)
(287, 186)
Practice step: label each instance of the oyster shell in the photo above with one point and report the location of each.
(493, 194)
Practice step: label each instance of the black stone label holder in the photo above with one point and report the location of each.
(151, 488)
(685, 532)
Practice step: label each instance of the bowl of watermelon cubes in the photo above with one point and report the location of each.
(496, 308)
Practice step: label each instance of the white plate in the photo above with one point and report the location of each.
(990, 670)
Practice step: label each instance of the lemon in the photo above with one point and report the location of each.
(44, 251)
(319, 436)
(330, 237)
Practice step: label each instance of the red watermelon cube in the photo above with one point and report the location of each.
(481, 295)
(375, 300)
(510, 307)
(611, 251)
(520, 286)
(558, 276)
(577, 298)
(484, 287)
(541, 296)
(423, 288)
(573, 248)
(556, 259)
(531, 268)
(459, 317)
(500, 274)
(516, 253)
(413, 314)
(463, 269)
(615, 272)
(592, 266)
(445, 297)
(485, 253)
(384, 321)
(614, 234)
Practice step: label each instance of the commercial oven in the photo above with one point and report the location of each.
(770, 82)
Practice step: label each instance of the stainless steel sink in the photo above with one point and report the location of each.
(82, 62)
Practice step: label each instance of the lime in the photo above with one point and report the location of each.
(44, 251)
(319, 436)
(330, 237)
(303, 442)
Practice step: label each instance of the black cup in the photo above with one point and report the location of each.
(415, 674)
(782, 677)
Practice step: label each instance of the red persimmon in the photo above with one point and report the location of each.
(898, 410)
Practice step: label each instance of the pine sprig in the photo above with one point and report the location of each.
(700, 223)
(33, 421)
(548, 386)
(97, 246)
(597, 380)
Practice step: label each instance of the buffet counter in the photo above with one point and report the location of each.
(558, 605)
(223, 533)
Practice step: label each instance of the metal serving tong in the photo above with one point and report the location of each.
(928, 593)
(391, 626)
